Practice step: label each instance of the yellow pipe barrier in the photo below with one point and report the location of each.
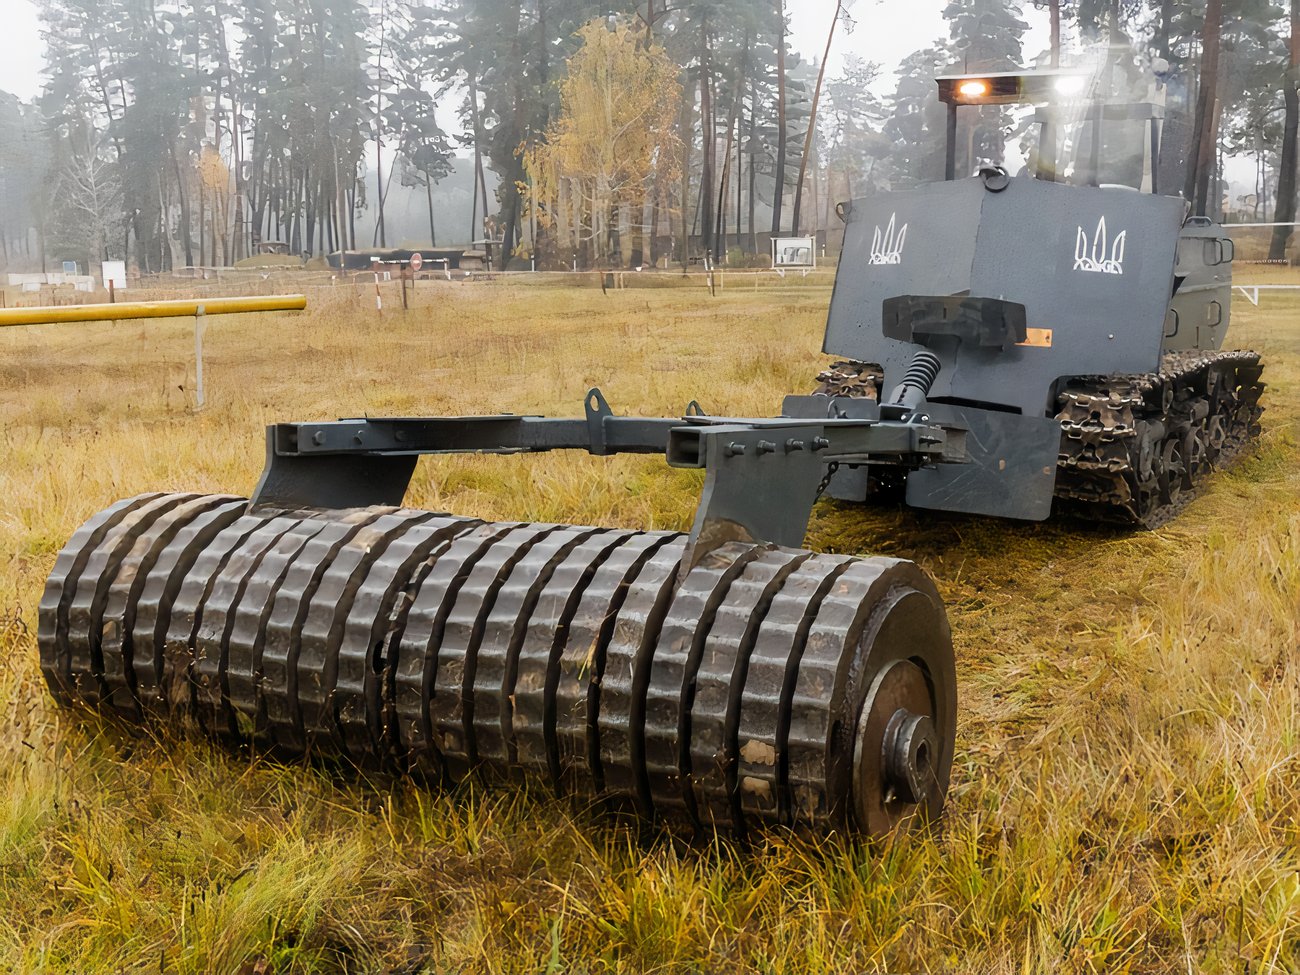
(66, 314)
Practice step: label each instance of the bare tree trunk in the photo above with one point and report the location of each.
(1196, 188)
(1286, 177)
(778, 192)
(708, 129)
(812, 122)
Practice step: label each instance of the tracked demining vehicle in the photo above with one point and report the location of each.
(1011, 340)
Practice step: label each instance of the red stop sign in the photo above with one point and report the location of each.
(417, 262)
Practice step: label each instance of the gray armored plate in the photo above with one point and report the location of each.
(1092, 266)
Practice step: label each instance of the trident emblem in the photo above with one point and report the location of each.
(1097, 259)
(886, 248)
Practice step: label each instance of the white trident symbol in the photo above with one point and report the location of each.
(1098, 260)
(885, 249)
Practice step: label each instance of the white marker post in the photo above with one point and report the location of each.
(200, 323)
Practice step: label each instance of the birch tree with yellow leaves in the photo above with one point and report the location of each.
(610, 161)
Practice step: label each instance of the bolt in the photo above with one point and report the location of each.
(792, 445)
(734, 449)
(356, 438)
(820, 443)
(766, 447)
(318, 438)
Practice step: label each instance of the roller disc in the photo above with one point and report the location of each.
(547, 625)
(210, 670)
(670, 682)
(52, 628)
(571, 735)
(714, 709)
(116, 641)
(757, 781)
(763, 686)
(283, 641)
(451, 709)
(503, 633)
(162, 585)
(358, 690)
(248, 625)
(620, 716)
(322, 628)
(176, 687)
(415, 652)
(90, 597)
(878, 611)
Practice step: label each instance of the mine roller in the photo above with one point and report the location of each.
(719, 679)
(1008, 341)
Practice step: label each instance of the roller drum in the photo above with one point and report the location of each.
(762, 686)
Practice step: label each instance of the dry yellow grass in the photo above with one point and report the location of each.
(1127, 780)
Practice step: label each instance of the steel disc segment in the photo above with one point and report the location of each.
(496, 669)
(414, 652)
(278, 691)
(574, 687)
(618, 764)
(322, 627)
(835, 673)
(533, 711)
(247, 631)
(713, 711)
(666, 726)
(212, 636)
(451, 706)
(906, 678)
(154, 606)
(756, 780)
(52, 614)
(124, 592)
(358, 689)
(89, 598)
(176, 687)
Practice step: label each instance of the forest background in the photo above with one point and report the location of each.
(195, 133)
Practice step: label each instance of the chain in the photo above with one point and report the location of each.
(831, 468)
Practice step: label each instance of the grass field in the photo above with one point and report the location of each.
(1126, 793)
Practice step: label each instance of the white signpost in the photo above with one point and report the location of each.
(794, 252)
(114, 275)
